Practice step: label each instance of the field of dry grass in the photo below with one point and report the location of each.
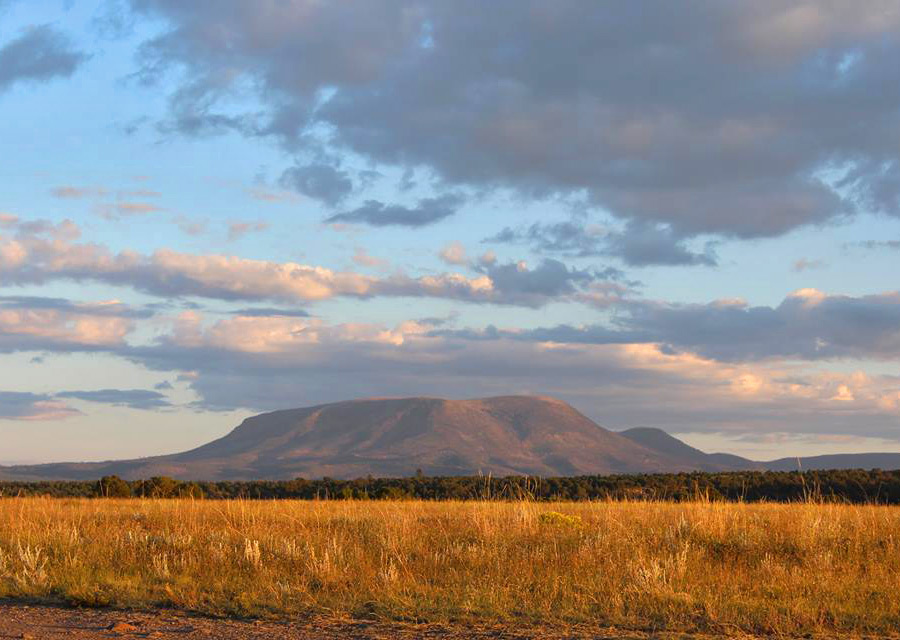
(761, 568)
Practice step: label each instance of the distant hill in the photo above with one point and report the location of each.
(507, 435)
(886, 461)
(663, 443)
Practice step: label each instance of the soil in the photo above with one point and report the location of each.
(49, 622)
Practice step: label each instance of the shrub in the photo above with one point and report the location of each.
(559, 519)
(113, 487)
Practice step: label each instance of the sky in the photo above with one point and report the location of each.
(674, 215)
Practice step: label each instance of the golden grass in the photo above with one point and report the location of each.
(769, 568)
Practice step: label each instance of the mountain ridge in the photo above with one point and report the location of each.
(501, 435)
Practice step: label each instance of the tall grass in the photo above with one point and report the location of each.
(801, 568)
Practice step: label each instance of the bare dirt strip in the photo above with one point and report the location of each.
(42, 622)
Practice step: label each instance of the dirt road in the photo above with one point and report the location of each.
(39, 622)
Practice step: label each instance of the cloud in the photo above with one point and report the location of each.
(110, 308)
(269, 312)
(118, 210)
(33, 406)
(808, 325)
(803, 264)
(8, 220)
(41, 53)
(40, 252)
(75, 193)
(638, 244)
(648, 244)
(378, 214)
(363, 259)
(750, 131)
(550, 279)
(57, 325)
(237, 230)
(267, 195)
(487, 258)
(269, 363)
(879, 244)
(131, 398)
(454, 254)
(320, 181)
(564, 238)
(562, 334)
(112, 21)
(722, 366)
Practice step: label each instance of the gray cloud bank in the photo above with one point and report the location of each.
(15, 405)
(320, 181)
(638, 244)
(131, 398)
(750, 130)
(723, 366)
(377, 214)
(807, 325)
(39, 54)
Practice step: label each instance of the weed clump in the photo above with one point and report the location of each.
(555, 518)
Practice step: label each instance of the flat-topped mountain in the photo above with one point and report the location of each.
(390, 437)
(507, 435)
(395, 437)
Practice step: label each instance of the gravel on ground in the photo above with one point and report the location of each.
(51, 622)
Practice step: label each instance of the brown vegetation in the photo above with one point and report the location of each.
(692, 566)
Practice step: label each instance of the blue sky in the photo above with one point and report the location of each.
(209, 210)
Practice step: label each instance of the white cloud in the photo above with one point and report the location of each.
(454, 254)
(42, 252)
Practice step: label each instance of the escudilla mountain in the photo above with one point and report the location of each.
(507, 435)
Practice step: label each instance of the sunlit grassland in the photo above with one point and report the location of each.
(771, 568)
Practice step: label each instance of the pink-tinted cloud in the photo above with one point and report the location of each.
(454, 254)
(22, 329)
(122, 209)
(262, 363)
(239, 229)
(363, 259)
(267, 195)
(261, 360)
(77, 193)
(40, 252)
(33, 407)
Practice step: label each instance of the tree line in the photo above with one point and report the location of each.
(849, 486)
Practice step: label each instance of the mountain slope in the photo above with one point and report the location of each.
(395, 437)
(663, 443)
